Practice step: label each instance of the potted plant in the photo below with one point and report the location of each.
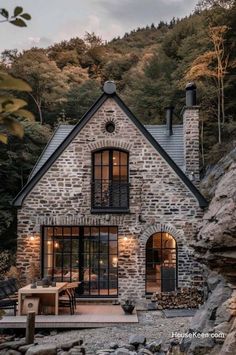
(128, 306)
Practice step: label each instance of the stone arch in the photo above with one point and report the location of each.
(158, 227)
(108, 143)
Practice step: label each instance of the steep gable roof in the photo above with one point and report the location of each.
(36, 176)
(173, 145)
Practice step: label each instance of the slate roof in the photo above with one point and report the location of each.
(173, 145)
(17, 202)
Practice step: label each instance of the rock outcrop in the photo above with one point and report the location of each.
(215, 245)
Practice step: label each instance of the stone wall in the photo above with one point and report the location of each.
(191, 142)
(158, 199)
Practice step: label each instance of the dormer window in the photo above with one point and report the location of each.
(110, 181)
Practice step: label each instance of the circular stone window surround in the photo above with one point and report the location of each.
(111, 121)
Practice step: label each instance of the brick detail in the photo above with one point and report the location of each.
(110, 143)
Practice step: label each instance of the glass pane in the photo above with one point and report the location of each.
(48, 260)
(168, 241)
(105, 173)
(58, 260)
(123, 158)
(113, 261)
(116, 172)
(67, 231)
(98, 173)
(86, 231)
(75, 231)
(113, 233)
(105, 157)
(116, 157)
(123, 173)
(48, 246)
(157, 240)
(67, 246)
(74, 260)
(66, 261)
(74, 245)
(95, 231)
(113, 247)
(48, 232)
(104, 233)
(57, 230)
(97, 158)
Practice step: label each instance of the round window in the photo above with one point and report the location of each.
(110, 127)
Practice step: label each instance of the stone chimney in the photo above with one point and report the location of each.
(191, 134)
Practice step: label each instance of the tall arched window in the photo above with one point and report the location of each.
(110, 180)
(161, 266)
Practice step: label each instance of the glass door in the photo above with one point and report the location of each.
(85, 254)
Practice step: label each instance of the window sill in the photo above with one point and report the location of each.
(109, 210)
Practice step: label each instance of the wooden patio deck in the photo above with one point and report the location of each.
(87, 316)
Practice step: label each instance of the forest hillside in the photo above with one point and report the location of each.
(150, 66)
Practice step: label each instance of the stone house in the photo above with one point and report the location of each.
(114, 204)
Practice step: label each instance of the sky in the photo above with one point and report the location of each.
(57, 20)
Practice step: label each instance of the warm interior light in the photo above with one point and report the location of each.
(114, 261)
(56, 245)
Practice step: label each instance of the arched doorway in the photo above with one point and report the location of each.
(161, 265)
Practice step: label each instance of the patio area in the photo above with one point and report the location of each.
(86, 316)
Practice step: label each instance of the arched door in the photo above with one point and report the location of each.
(161, 266)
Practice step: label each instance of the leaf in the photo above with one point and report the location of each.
(3, 138)
(26, 16)
(8, 82)
(14, 105)
(18, 22)
(18, 10)
(4, 13)
(25, 114)
(14, 127)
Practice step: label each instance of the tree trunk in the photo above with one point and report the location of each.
(202, 142)
(38, 104)
(219, 114)
(223, 101)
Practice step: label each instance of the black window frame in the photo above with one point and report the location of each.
(81, 254)
(110, 209)
(161, 261)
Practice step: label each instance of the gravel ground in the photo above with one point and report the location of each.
(152, 324)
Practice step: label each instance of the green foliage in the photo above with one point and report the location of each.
(18, 18)
(80, 98)
(12, 108)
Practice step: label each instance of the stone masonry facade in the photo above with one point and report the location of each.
(62, 197)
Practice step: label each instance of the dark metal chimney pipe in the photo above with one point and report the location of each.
(191, 94)
(169, 118)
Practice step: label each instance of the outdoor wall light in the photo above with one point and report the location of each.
(32, 237)
(125, 239)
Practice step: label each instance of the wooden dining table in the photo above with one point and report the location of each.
(48, 296)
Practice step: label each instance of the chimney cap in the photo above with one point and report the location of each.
(109, 87)
(191, 86)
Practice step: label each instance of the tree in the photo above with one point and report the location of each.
(48, 83)
(213, 64)
(80, 98)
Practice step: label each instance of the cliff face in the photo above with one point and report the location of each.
(216, 240)
(215, 246)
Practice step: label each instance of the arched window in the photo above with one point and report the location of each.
(110, 180)
(161, 269)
